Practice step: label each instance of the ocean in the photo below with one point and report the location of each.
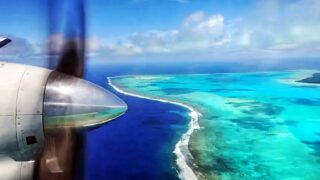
(137, 145)
(252, 125)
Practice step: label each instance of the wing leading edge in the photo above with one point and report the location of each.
(4, 41)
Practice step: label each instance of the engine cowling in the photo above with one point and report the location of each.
(21, 110)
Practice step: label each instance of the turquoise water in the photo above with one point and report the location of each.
(253, 125)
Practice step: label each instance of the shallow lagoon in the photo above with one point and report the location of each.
(253, 125)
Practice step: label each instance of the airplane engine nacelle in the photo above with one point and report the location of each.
(21, 109)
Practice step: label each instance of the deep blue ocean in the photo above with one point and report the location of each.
(137, 145)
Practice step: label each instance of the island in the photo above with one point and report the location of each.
(315, 78)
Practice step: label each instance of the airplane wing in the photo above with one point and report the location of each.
(4, 41)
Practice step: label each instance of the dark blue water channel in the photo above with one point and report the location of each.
(137, 145)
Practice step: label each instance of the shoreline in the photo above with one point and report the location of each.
(181, 148)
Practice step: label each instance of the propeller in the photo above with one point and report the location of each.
(66, 55)
(69, 59)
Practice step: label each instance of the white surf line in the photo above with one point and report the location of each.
(181, 149)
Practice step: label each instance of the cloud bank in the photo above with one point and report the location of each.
(272, 29)
(19, 48)
(269, 30)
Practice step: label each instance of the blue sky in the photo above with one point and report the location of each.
(160, 30)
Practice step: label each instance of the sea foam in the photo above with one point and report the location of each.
(181, 149)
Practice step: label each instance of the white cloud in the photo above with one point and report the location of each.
(196, 33)
(211, 23)
(56, 42)
(194, 18)
(127, 49)
(272, 28)
(18, 48)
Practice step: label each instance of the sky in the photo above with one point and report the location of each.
(170, 30)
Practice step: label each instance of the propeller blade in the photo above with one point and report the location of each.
(67, 21)
(72, 59)
(66, 49)
(59, 155)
